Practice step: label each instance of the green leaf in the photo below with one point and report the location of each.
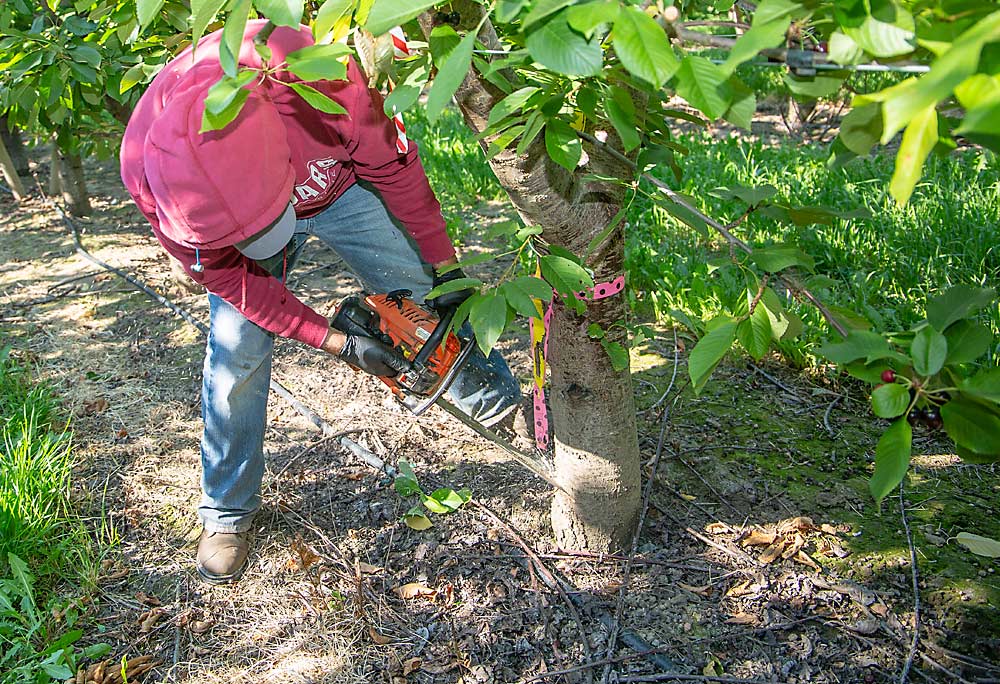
(709, 350)
(203, 12)
(705, 86)
(750, 195)
(859, 344)
(617, 353)
(416, 520)
(232, 37)
(985, 385)
(861, 129)
(642, 46)
(743, 107)
(507, 10)
(215, 121)
(919, 139)
(95, 651)
(329, 14)
(562, 144)
(971, 425)
(543, 8)
(967, 341)
(519, 300)
(822, 84)
(957, 302)
(222, 94)
(132, 77)
(511, 104)
(319, 62)
(317, 99)
(621, 112)
(842, 49)
(982, 125)
(452, 69)
(86, 54)
(975, 457)
(886, 29)
(587, 17)
(385, 14)
(533, 126)
(929, 350)
(406, 481)
(595, 331)
(20, 573)
(981, 546)
(555, 45)
(454, 286)
(147, 10)
(281, 12)
(566, 277)
(778, 258)
(407, 92)
(533, 287)
(449, 499)
(57, 671)
(767, 31)
(488, 318)
(890, 400)
(754, 333)
(433, 505)
(892, 458)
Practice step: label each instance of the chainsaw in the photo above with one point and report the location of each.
(436, 355)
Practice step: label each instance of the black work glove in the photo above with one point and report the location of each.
(452, 299)
(373, 357)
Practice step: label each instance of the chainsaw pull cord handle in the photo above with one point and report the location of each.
(434, 341)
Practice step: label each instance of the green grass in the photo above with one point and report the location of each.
(886, 264)
(42, 542)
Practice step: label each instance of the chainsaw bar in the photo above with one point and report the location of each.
(536, 464)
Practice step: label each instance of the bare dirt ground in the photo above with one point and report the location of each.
(762, 556)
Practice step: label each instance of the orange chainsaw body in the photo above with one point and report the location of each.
(398, 321)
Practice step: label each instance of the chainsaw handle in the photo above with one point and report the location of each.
(436, 338)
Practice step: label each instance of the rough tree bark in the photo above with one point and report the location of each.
(593, 407)
(15, 147)
(9, 170)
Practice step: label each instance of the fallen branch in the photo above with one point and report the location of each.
(692, 678)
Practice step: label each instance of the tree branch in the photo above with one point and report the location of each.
(790, 281)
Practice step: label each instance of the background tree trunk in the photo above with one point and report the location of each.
(73, 184)
(593, 407)
(55, 162)
(15, 147)
(10, 174)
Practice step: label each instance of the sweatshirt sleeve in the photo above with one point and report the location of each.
(400, 178)
(259, 296)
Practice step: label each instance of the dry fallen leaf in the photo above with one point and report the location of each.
(303, 555)
(201, 626)
(368, 568)
(803, 557)
(143, 597)
(378, 637)
(794, 546)
(800, 524)
(701, 591)
(687, 497)
(829, 529)
(741, 589)
(413, 590)
(758, 538)
(866, 626)
(773, 552)
(99, 405)
(717, 528)
(742, 619)
(411, 666)
(147, 621)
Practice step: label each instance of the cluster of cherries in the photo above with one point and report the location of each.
(929, 417)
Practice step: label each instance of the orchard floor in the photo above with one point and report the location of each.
(764, 453)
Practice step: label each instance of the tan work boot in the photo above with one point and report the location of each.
(222, 556)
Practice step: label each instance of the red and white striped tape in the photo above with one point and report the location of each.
(400, 50)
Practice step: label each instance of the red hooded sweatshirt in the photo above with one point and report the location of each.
(210, 191)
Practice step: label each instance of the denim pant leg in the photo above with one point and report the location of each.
(235, 383)
(359, 228)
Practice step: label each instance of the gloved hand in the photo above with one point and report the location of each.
(373, 357)
(452, 299)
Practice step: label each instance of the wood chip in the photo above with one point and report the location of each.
(378, 637)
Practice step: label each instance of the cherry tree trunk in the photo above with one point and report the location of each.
(10, 174)
(72, 183)
(593, 407)
(12, 141)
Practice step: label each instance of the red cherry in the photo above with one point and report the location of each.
(888, 375)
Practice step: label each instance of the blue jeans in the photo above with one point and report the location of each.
(238, 357)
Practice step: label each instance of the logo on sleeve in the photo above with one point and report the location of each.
(321, 175)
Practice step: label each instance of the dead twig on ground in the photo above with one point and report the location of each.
(596, 663)
(692, 678)
(916, 591)
(826, 415)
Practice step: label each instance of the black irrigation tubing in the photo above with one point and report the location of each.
(279, 389)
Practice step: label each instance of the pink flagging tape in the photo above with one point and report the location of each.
(541, 412)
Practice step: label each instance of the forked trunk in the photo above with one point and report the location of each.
(593, 409)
